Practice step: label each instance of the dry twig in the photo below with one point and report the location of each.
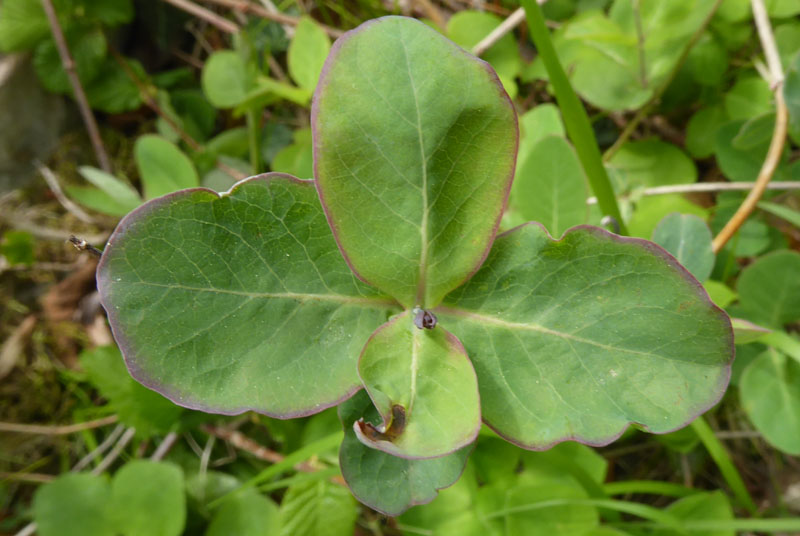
(77, 89)
(56, 430)
(778, 134)
(283, 18)
(52, 181)
(205, 14)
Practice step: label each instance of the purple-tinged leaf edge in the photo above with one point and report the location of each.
(117, 330)
(669, 259)
(318, 94)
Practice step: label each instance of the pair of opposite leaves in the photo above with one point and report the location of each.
(242, 301)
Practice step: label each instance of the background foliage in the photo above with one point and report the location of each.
(186, 100)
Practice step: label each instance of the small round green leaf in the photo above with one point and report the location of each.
(237, 301)
(769, 289)
(424, 388)
(225, 80)
(75, 504)
(307, 53)
(414, 145)
(688, 239)
(550, 186)
(148, 499)
(388, 483)
(318, 508)
(577, 338)
(245, 514)
(163, 167)
(770, 392)
(650, 163)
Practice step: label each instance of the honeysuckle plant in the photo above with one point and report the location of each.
(382, 285)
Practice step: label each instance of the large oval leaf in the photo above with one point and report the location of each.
(424, 388)
(414, 145)
(238, 301)
(577, 338)
(387, 483)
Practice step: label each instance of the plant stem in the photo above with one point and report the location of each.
(77, 89)
(207, 15)
(658, 92)
(637, 14)
(253, 140)
(709, 187)
(283, 18)
(720, 456)
(56, 430)
(778, 134)
(575, 118)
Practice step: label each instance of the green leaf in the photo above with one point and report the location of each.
(307, 52)
(782, 8)
(650, 163)
(550, 187)
(577, 338)
(296, 159)
(148, 499)
(121, 192)
(88, 49)
(650, 210)
(467, 28)
(786, 213)
(564, 520)
(745, 332)
(791, 93)
(388, 483)
(18, 247)
(749, 97)
(424, 387)
(163, 167)
(97, 200)
(702, 130)
(742, 164)
(22, 25)
(245, 514)
(112, 90)
(534, 125)
(137, 406)
(702, 506)
(225, 79)
(708, 61)
(317, 509)
(688, 239)
(111, 13)
(267, 91)
(770, 393)
(769, 289)
(441, 104)
(210, 297)
(719, 293)
(75, 504)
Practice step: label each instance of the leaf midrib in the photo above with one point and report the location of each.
(298, 296)
(532, 326)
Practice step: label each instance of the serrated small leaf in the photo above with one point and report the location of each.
(239, 301)
(112, 90)
(141, 408)
(75, 504)
(88, 49)
(163, 167)
(424, 387)
(769, 289)
(112, 13)
(307, 53)
(318, 508)
(22, 25)
(148, 499)
(414, 206)
(688, 239)
(245, 514)
(770, 393)
(577, 338)
(384, 482)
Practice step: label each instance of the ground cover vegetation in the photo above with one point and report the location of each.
(559, 248)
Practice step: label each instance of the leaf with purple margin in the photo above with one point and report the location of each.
(387, 483)
(577, 338)
(414, 146)
(424, 387)
(238, 301)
